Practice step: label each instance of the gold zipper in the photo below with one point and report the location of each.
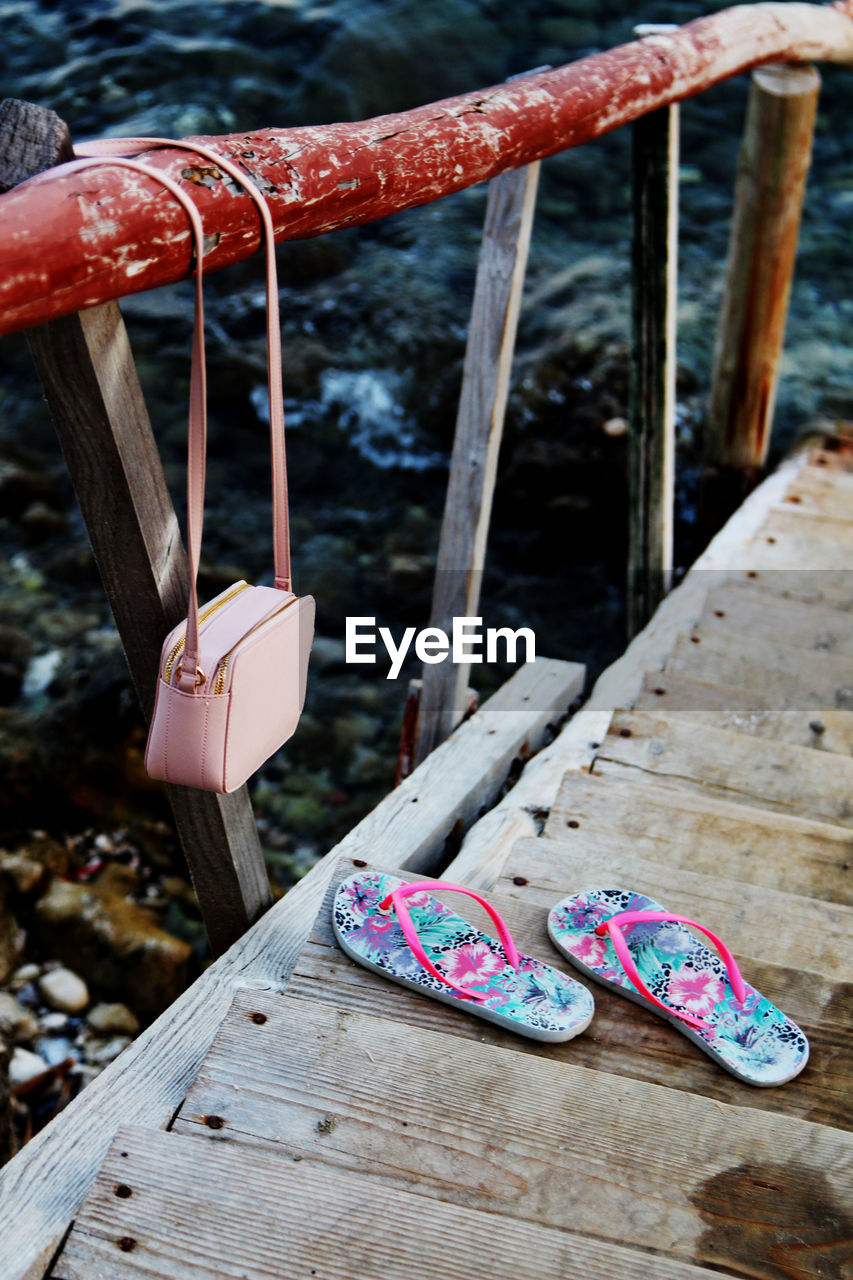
(219, 683)
(202, 617)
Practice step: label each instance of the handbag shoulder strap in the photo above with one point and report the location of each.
(112, 151)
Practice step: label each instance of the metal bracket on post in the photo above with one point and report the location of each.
(93, 392)
(654, 287)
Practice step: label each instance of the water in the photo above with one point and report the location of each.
(374, 328)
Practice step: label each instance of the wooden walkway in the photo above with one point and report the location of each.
(343, 1127)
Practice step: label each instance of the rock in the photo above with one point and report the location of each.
(113, 944)
(100, 1052)
(25, 1066)
(63, 990)
(56, 1049)
(26, 973)
(54, 1022)
(24, 873)
(41, 856)
(109, 1019)
(15, 1020)
(12, 936)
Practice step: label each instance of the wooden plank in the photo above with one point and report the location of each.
(805, 626)
(801, 549)
(794, 780)
(787, 676)
(818, 493)
(785, 521)
(722, 559)
(476, 443)
(757, 922)
(86, 368)
(828, 588)
(522, 811)
(742, 711)
(524, 808)
(405, 1107)
(699, 833)
(41, 1189)
(622, 1039)
(774, 161)
(654, 292)
(461, 778)
(188, 1215)
(832, 460)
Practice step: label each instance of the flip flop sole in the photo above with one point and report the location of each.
(533, 1000)
(757, 1044)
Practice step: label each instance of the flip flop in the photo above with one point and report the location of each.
(631, 944)
(397, 928)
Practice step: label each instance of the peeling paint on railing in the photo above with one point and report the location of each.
(69, 242)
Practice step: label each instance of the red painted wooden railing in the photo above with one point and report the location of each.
(67, 243)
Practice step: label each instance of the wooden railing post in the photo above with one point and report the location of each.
(774, 162)
(654, 291)
(479, 427)
(93, 392)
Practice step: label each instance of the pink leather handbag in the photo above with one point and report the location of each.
(232, 675)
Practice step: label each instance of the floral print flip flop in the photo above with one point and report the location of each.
(397, 928)
(631, 944)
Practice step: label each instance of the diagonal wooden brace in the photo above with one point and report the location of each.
(92, 388)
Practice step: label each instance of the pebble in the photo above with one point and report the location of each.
(26, 973)
(104, 1051)
(111, 1018)
(25, 1066)
(54, 1022)
(63, 990)
(19, 1020)
(56, 1049)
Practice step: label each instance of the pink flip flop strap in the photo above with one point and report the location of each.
(613, 927)
(397, 897)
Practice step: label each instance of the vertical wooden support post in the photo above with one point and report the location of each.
(93, 392)
(774, 162)
(479, 427)
(652, 414)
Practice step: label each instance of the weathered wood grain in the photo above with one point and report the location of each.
(622, 1039)
(188, 1215)
(476, 443)
(702, 833)
(522, 811)
(799, 552)
(774, 160)
(524, 808)
(785, 521)
(793, 780)
(306, 1082)
(826, 587)
(338, 175)
(32, 138)
(654, 300)
(756, 921)
(732, 611)
(742, 711)
(787, 676)
(461, 778)
(821, 493)
(41, 1189)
